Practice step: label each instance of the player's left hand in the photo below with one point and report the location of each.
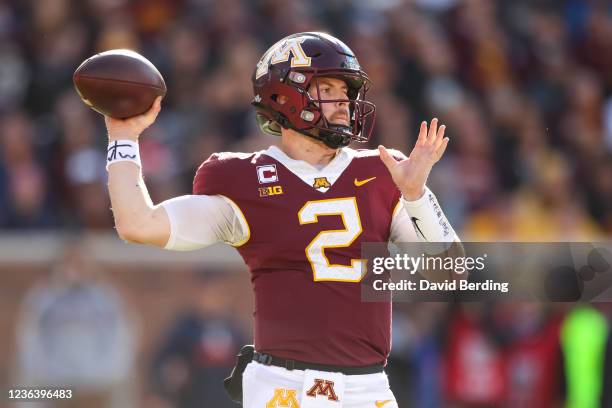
(411, 174)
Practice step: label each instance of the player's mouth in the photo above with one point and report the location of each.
(340, 119)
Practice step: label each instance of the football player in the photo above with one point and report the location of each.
(297, 212)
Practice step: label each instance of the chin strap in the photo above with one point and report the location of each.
(331, 139)
(335, 140)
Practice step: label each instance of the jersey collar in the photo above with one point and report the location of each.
(308, 173)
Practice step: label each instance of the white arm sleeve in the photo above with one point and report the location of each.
(402, 229)
(197, 221)
(428, 219)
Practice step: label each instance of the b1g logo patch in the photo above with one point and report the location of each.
(283, 398)
(323, 387)
(321, 182)
(267, 174)
(270, 191)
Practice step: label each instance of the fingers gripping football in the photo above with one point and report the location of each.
(131, 128)
(411, 174)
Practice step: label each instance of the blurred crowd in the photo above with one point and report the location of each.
(524, 87)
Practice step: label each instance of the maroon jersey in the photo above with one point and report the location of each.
(304, 250)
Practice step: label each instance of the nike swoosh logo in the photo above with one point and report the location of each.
(360, 183)
(416, 226)
(381, 403)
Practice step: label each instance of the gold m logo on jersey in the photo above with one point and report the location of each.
(321, 182)
(323, 387)
(283, 398)
(280, 52)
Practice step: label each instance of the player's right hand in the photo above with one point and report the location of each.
(131, 128)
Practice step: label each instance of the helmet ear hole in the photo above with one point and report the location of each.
(280, 99)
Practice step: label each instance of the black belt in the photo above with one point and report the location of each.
(267, 359)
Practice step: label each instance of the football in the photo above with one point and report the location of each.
(118, 83)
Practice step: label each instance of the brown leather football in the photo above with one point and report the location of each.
(118, 83)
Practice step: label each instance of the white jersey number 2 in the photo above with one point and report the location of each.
(322, 269)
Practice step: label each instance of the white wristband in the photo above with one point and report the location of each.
(429, 221)
(123, 150)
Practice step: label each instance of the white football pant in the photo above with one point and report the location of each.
(276, 387)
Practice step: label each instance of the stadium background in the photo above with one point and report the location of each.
(523, 86)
